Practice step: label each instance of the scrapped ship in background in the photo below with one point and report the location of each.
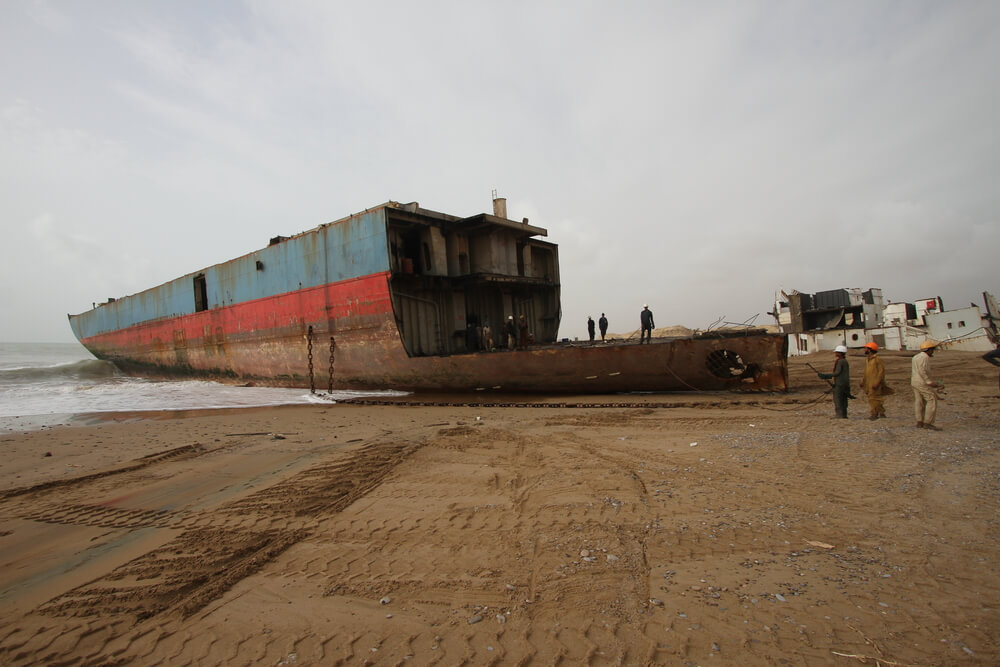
(389, 298)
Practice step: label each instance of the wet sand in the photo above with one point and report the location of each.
(726, 529)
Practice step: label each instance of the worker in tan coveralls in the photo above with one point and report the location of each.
(924, 396)
(873, 382)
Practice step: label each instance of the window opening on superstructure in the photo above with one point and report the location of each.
(200, 293)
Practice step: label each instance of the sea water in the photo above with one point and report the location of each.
(45, 383)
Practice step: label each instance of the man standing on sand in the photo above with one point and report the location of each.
(841, 377)
(646, 324)
(590, 327)
(993, 357)
(873, 383)
(924, 396)
(603, 324)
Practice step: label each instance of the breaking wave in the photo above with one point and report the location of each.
(40, 383)
(87, 370)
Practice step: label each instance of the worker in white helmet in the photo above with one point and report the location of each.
(841, 377)
(510, 332)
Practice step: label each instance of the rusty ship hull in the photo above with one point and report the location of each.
(396, 297)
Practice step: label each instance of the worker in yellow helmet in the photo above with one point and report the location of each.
(873, 382)
(924, 396)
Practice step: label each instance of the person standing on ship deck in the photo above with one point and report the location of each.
(590, 327)
(472, 333)
(603, 325)
(510, 330)
(522, 326)
(487, 336)
(645, 324)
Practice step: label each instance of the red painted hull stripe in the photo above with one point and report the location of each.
(346, 300)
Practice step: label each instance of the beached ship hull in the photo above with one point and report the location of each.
(396, 297)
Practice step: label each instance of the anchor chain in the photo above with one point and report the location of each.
(312, 381)
(332, 345)
(520, 404)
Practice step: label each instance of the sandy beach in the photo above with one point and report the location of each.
(673, 529)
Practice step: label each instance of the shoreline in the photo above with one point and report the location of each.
(29, 423)
(735, 529)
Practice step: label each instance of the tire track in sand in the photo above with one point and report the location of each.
(197, 566)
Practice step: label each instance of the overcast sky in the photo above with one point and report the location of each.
(696, 156)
